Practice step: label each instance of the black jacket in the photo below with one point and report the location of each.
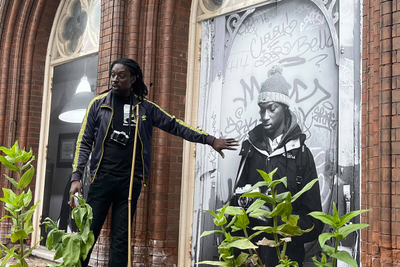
(97, 122)
(293, 160)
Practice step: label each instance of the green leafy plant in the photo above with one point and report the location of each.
(72, 246)
(342, 229)
(282, 233)
(18, 161)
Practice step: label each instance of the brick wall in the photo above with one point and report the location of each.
(381, 133)
(22, 23)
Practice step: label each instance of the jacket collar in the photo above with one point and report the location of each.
(107, 99)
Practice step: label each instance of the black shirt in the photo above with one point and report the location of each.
(117, 158)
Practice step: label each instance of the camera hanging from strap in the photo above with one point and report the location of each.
(121, 137)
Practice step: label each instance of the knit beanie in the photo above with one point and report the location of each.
(275, 88)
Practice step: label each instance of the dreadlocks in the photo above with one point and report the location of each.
(139, 88)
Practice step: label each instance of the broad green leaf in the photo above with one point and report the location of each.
(292, 219)
(235, 228)
(323, 262)
(228, 237)
(234, 218)
(57, 236)
(348, 216)
(289, 230)
(9, 195)
(49, 223)
(260, 212)
(10, 159)
(242, 221)
(9, 255)
(79, 214)
(27, 198)
(206, 233)
(281, 197)
(49, 240)
(316, 262)
(266, 229)
(268, 177)
(345, 257)
(255, 234)
(325, 218)
(212, 213)
(12, 181)
(255, 205)
(217, 263)
(24, 156)
(26, 165)
(230, 210)
(11, 211)
(241, 259)
(222, 211)
(220, 222)
(259, 195)
(322, 240)
(240, 244)
(305, 188)
(18, 235)
(9, 165)
(256, 186)
(283, 180)
(28, 227)
(7, 151)
(345, 230)
(287, 205)
(26, 178)
(279, 209)
(58, 251)
(6, 217)
(87, 246)
(15, 148)
(71, 253)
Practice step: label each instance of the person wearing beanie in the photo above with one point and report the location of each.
(278, 142)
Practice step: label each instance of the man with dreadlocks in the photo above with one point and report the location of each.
(277, 142)
(108, 133)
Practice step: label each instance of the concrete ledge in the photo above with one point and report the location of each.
(44, 253)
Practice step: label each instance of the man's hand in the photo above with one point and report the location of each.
(76, 186)
(220, 144)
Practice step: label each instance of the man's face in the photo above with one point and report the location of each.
(121, 80)
(272, 118)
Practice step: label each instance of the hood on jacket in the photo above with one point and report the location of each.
(259, 139)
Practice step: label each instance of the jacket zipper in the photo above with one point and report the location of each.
(141, 151)
(102, 144)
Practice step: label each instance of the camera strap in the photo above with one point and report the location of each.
(130, 113)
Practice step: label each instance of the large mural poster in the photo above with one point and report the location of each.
(239, 51)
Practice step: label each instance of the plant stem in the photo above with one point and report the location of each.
(284, 249)
(251, 250)
(276, 238)
(21, 253)
(336, 246)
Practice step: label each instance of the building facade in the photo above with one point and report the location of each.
(204, 61)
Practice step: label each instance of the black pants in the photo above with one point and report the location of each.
(105, 190)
